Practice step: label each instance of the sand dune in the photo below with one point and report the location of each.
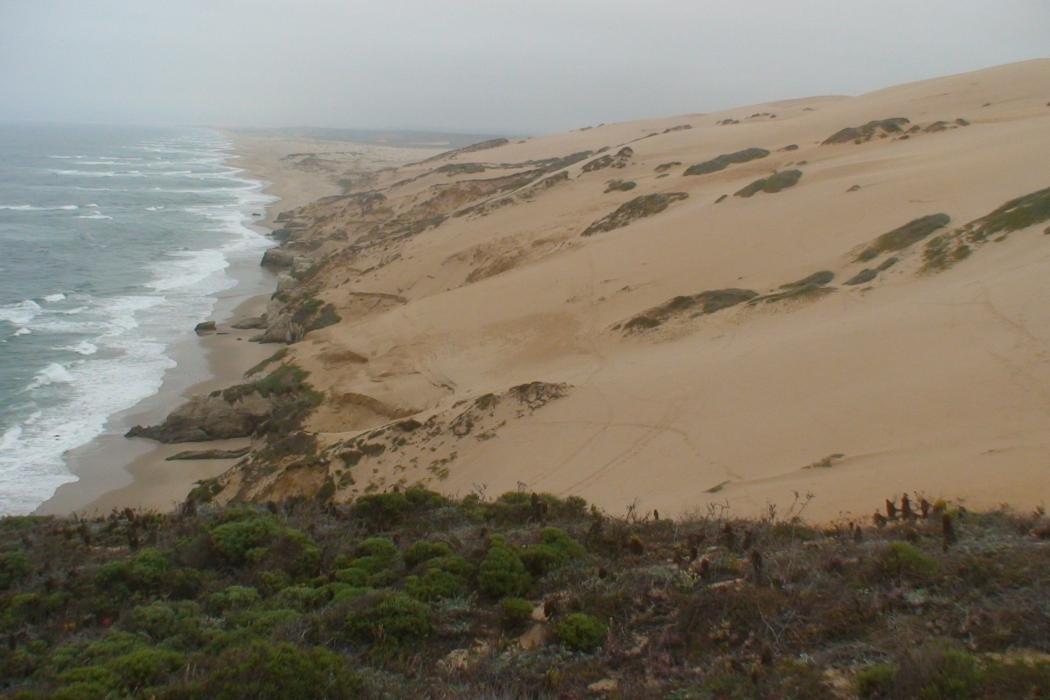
(457, 279)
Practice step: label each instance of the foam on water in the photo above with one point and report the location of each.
(30, 207)
(82, 348)
(54, 373)
(21, 313)
(112, 348)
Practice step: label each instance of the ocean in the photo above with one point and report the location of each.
(113, 243)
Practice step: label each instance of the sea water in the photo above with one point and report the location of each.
(113, 243)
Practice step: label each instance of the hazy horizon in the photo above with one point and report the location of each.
(463, 67)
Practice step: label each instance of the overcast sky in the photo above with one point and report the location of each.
(526, 66)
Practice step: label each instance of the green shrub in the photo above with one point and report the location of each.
(33, 607)
(263, 622)
(114, 644)
(876, 681)
(581, 632)
(380, 510)
(502, 573)
(272, 581)
(145, 666)
(242, 540)
(14, 566)
(435, 584)
(279, 671)
(94, 675)
(184, 583)
(234, 598)
(147, 571)
(515, 612)
(556, 549)
(956, 678)
(378, 564)
(1015, 679)
(81, 690)
(903, 560)
(298, 598)
(295, 553)
(390, 620)
(164, 620)
(422, 551)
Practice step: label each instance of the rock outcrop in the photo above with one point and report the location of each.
(210, 417)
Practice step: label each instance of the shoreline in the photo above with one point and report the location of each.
(114, 472)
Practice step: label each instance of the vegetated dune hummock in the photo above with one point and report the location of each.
(457, 331)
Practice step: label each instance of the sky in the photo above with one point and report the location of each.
(483, 66)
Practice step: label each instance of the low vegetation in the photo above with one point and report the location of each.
(864, 276)
(620, 186)
(725, 160)
(413, 594)
(819, 279)
(776, 182)
(945, 250)
(619, 160)
(637, 208)
(904, 236)
(707, 302)
(865, 132)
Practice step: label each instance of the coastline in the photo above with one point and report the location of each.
(117, 472)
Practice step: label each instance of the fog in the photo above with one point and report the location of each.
(529, 66)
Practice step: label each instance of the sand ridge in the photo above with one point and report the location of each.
(433, 284)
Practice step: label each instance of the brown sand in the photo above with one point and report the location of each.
(938, 383)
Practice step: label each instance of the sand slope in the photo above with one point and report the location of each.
(469, 276)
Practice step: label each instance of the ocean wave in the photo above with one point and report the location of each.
(52, 298)
(54, 373)
(82, 348)
(186, 269)
(20, 313)
(10, 437)
(22, 331)
(30, 207)
(98, 173)
(95, 216)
